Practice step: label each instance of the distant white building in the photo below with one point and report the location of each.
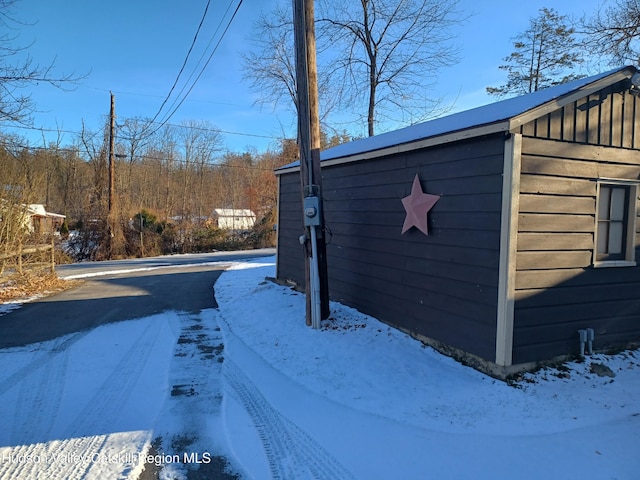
(38, 220)
(233, 219)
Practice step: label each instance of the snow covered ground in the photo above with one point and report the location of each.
(355, 399)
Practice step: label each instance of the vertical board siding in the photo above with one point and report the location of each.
(442, 286)
(606, 118)
(558, 291)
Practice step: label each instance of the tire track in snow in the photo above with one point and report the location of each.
(15, 469)
(16, 378)
(106, 402)
(40, 396)
(86, 438)
(291, 452)
(41, 384)
(116, 388)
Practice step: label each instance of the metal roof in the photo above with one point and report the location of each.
(494, 117)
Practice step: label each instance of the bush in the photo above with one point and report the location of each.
(263, 234)
(64, 230)
(164, 238)
(87, 244)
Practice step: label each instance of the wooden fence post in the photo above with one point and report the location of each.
(20, 257)
(53, 255)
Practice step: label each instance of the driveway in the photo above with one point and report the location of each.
(120, 290)
(114, 292)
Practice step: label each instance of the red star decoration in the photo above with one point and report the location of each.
(417, 205)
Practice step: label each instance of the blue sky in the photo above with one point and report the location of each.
(135, 48)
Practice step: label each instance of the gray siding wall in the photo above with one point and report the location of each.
(443, 286)
(558, 291)
(290, 258)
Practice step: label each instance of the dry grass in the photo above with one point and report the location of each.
(16, 286)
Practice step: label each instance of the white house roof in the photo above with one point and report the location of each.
(40, 210)
(231, 212)
(500, 115)
(37, 209)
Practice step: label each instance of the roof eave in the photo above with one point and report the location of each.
(506, 125)
(476, 131)
(548, 107)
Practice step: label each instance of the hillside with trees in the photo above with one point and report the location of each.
(165, 192)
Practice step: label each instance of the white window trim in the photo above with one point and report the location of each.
(632, 218)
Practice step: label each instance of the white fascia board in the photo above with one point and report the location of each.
(410, 146)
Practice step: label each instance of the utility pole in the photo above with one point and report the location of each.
(314, 121)
(316, 278)
(112, 174)
(141, 238)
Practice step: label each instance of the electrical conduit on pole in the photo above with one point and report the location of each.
(315, 281)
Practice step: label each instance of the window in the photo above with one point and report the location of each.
(615, 231)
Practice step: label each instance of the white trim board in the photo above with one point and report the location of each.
(508, 249)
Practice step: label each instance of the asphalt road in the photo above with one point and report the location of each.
(120, 290)
(88, 268)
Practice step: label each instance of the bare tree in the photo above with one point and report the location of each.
(18, 181)
(615, 32)
(270, 67)
(26, 176)
(71, 183)
(18, 72)
(203, 144)
(130, 147)
(94, 149)
(545, 55)
(179, 175)
(388, 53)
(199, 142)
(166, 149)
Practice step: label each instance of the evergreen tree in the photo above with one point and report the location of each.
(545, 55)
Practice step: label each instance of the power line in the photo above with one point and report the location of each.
(139, 94)
(177, 103)
(203, 54)
(74, 132)
(178, 160)
(52, 130)
(29, 147)
(184, 64)
(168, 116)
